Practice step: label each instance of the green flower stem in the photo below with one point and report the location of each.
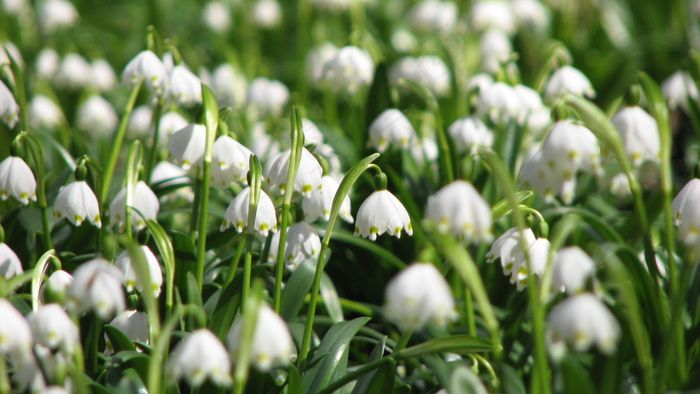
(140, 265)
(297, 139)
(4, 379)
(132, 173)
(38, 157)
(153, 153)
(160, 347)
(250, 316)
(38, 275)
(211, 120)
(343, 189)
(354, 375)
(117, 143)
(247, 269)
(234, 262)
(255, 180)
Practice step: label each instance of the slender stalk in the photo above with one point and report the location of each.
(247, 268)
(4, 380)
(117, 143)
(153, 153)
(354, 375)
(38, 158)
(234, 263)
(250, 317)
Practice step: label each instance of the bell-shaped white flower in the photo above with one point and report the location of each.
(418, 295)
(350, 70)
(10, 265)
(52, 328)
(470, 134)
(536, 174)
(492, 14)
(303, 243)
(639, 134)
(391, 127)
(186, 146)
(145, 206)
(678, 89)
(570, 147)
(133, 324)
(146, 67)
(507, 248)
(216, 15)
(382, 213)
(17, 180)
(9, 110)
(44, 113)
(495, 49)
(77, 203)
(167, 174)
(403, 41)
(427, 71)
(198, 357)
(47, 63)
(56, 14)
(312, 134)
(425, 151)
(434, 16)
(687, 215)
(620, 186)
(229, 86)
(73, 73)
(459, 209)
(499, 102)
(267, 96)
(129, 272)
(96, 286)
(102, 76)
(184, 88)
(308, 177)
(534, 263)
(319, 203)
(170, 123)
(140, 122)
(316, 62)
(230, 161)
(96, 115)
(237, 214)
(567, 80)
(530, 14)
(572, 268)
(581, 321)
(266, 13)
(479, 82)
(272, 343)
(15, 334)
(55, 287)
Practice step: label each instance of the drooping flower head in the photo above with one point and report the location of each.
(17, 180)
(382, 213)
(458, 209)
(198, 357)
(237, 214)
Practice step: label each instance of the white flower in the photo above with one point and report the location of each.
(530, 14)
(184, 88)
(125, 265)
(319, 203)
(17, 180)
(230, 161)
(639, 134)
(267, 96)
(133, 324)
(15, 334)
(9, 110)
(10, 265)
(140, 122)
(56, 14)
(56, 285)
(479, 82)
(687, 215)
(582, 320)
(97, 286)
(620, 186)
(308, 176)
(567, 80)
(274, 247)
(229, 86)
(102, 75)
(469, 134)
(263, 145)
(77, 202)
(167, 174)
(434, 16)
(144, 202)
(508, 248)
(146, 67)
(186, 146)
(14, 7)
(272, 342)
(312, 134)
(403, 40)
(572, 268)
(74, 72)
(460, 210)
(495, 49)
(537, 252)
(418, 295)
(391, 127)
(303, 243)
(198, 357)
(97, 116)
(492, 14)
(216, 16)
(427, 71)
(169, 124)
(316, 62)
(499, 102)
(350, 70)
(382, 212)
(266, 13)
(425, 150)
(51, 327)
(47, 63)
(44, 113)
(678, 89)
(237, 214)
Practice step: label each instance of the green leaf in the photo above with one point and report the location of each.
(165, 248)
(464, 381)
(330, 299)
(333, 355)
(502, 207)
(363, 383)
(294, 385)
(118, 340)
(383, 380)
(460, 344)
(511, 382)
(193, 294)
(295, 290)
(38, 274)
(576, 379)
(211, 119)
